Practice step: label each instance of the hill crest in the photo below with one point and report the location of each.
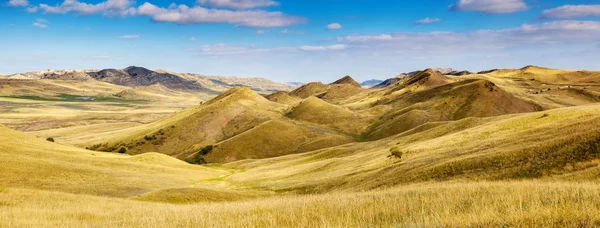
(346, 80)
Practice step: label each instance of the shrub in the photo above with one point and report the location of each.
(150, 138)
(122, 150)
(95, 147)
(206, 150)
(50, 139)
(199, 158)
(395, 152)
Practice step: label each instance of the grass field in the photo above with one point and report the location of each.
(453, 204)
(299, 166)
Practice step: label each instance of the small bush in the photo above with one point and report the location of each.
(95, 147)
(50, 139)
(199, 158)
(206, 150)
(150, 138)
(122, 150)
(395, 152)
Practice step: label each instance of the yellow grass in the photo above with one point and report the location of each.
(473, 204)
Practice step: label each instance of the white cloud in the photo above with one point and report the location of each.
(183, 14)
(323, 48)
(490, 6)
(18, 3)
(179, 14)
(130, 37)
(41, 23)
(238, 4)
(260, 32)
(227, 50)
(334, 26)
(428, 20)
(572, 11)
(192, 38)
(107, 8)
(359, 38)
(566, 32)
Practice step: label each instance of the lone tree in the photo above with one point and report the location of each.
(395, 152)
(50, 139)
(122, 150)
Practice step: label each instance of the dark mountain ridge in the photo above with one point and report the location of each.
(139, 76)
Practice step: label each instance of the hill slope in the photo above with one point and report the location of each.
(239, 123)
(37, 164)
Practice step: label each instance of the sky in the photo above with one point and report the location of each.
(299, 40)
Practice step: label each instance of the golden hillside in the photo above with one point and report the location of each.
(236, 122)
(428, 151)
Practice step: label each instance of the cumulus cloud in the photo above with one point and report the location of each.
(130, 37)
(107, 8)
(428, 20)
(178, 14)
(238, 4)
(192, 38)
(490, 6)
(41, 23)
(18, 3)
(334, 26)
(572, 11)
(183, 14)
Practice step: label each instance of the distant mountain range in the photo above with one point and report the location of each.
(370, 83)
(134, 76)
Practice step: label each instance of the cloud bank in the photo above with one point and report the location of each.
(490, 6)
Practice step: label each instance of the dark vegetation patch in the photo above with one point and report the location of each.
(199, 158)
(78, 98)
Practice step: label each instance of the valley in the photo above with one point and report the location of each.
(138, 148)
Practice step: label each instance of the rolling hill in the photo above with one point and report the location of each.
(508, 147)
(236, 122)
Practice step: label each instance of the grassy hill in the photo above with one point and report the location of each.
(427, 151)
(238, 122)
(34, 163)
(481, 179)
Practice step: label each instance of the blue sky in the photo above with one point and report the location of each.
(298, 40)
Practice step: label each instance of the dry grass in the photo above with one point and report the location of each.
(29, 162)
(474, 204)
